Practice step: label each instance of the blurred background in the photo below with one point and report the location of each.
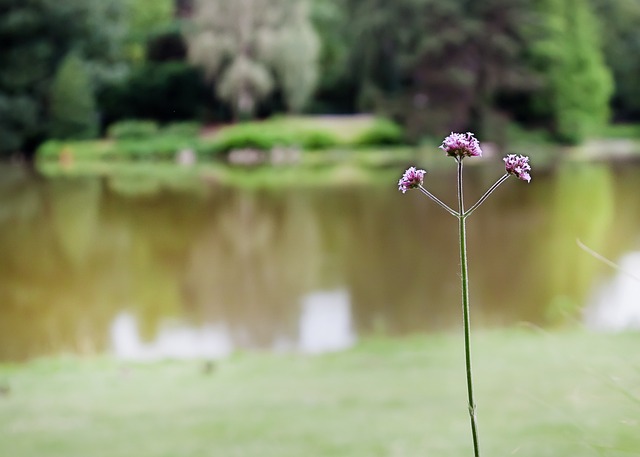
(209, 187)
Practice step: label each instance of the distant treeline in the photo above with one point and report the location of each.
(69, 69)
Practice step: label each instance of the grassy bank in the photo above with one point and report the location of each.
(539, 394)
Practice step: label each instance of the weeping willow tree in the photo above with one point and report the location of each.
(248, 48)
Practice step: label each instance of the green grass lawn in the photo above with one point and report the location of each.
(570, 394)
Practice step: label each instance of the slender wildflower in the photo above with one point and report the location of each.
(411, 179)
(459, 146)
(518, 166)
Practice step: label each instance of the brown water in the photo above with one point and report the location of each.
(87, 268)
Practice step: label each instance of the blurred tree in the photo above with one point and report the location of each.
(439, 65)
(166, 45)
(36, 36)
(621, 37)
(337, 88)
(146, 19)
(72, 104)
(250, 47)
(578, 81)
(164, 91)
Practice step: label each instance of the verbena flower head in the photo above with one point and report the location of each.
(518, 166)
(411, 179)
(461, 145)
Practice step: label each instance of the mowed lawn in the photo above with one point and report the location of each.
(539, 394)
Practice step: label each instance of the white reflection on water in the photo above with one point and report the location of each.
(616, 304)
(325, 322)
(324, 325)
(172, 341)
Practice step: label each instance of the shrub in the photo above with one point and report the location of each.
(254, 136)
(165, 91)
(267, 135)
(132, 130)
(72, 104)
(183, 129)
(160, 147)
(78, 150)
(207, 148)
(317, 139)
(382, 132)
(50, 149)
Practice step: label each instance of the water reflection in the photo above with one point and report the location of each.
(616, 303)
(172, 341)
(325, 325)
(243, 269)
(325, 322)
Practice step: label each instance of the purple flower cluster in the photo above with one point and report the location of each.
(411, 179)
(518, 165)
(461, 145)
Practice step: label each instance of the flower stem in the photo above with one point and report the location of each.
(486, 194)
(438, 201)
(465, 306)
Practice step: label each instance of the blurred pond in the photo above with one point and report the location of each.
(87, 267)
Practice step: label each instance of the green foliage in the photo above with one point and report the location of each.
(579, 83)
(268, 135)
(159, 147)
(252, 47)
(164, 91)
(144, 19)
(36, 36)
(250, 135)
(382, 132)
(19, 116)
(184, 129)
(621, 39)
(133, 129)
(72, 105)
(317, 139)
(437, 65)
(621, 131)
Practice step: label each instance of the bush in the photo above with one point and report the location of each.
(254, 136)
(166, 92)
(318, 139)
(183, 129)
(132, 130)
(50, 149)
(77, 150)
(267, 135)
(382, 132)
(72, 104)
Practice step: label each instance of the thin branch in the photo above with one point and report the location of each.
(486, 194)
(438, 201)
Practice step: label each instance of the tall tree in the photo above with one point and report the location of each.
(144, 20)
(72, 102)
(36, 36)
(578, 81)
(439, 65)
(621, 39)
(250, 47)
(335, 91)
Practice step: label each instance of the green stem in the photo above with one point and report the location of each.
(486, 194)
(465, 310)
(437, 200)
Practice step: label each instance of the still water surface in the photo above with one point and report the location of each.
(206, 270)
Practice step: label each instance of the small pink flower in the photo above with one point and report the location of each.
(518, 166)
(411, 179)
(461, 145)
